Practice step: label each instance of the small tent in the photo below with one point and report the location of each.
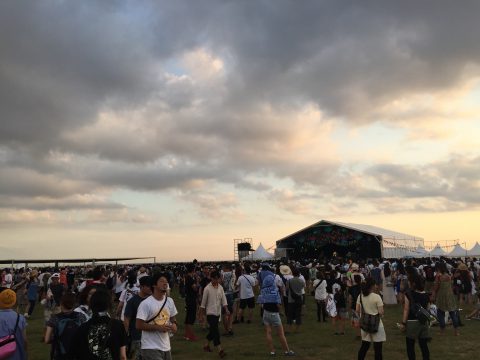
(421, 252)
(437, 251)
(458, 251)
(259, 254)
(475, 251)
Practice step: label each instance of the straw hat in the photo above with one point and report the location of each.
(8, 298)
(354, 267)
(285, 270)
(462, 267)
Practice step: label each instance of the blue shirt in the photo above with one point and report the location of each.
(8, 318)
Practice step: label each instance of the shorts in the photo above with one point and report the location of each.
(250, 302)
(153, 354)
(230, 301)
(271, 318)
(342, 313)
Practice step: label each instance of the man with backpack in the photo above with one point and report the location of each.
(62, 328)
(13, 335)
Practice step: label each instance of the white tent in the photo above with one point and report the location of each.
(475, 251)
(458, 251)
(259, 254)
(420, 252)
(437, 251)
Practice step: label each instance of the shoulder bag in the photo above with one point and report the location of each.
(369, 323)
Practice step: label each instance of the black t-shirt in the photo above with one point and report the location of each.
(190, 293)
(57, 291)
(98, 337)
(417, 298)
(131, 312)
(204, 281)
(354, 291)
(340, 301)
(271, 307)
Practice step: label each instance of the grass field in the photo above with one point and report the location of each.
(315, 340)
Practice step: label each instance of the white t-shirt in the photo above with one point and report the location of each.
(119, 284)
(320, 290)
(148, 309)
(246, 283)
(301, 277)
(8, 280)
(126, 295)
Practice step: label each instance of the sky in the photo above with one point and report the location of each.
(171, 128)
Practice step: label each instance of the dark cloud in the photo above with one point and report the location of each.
(96, 95)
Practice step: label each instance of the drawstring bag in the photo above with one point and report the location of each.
(8, 344)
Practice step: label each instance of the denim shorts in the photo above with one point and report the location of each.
(271, 318)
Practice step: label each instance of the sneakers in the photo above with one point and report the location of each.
(207, 348)
(272, 353)
(222, 354)
(289, 353)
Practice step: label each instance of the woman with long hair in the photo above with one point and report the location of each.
(388, 291)
(370, 303)
(444, 297)
(413, 328)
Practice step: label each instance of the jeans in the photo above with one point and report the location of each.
(441, 318)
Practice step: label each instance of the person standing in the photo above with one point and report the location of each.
(191, 293)
(246, 283)
(389, 297)
(320, 294)
(413, 328)
(444, 297)
(228, 283)
(156, 320)
(101, 337)
(295, 300)
(213, 300)
(370, 303)
(62, 328)
(133, 335)
(12, 323)
(270, 298)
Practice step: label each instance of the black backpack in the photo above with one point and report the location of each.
(64, 334)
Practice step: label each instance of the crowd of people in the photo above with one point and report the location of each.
(127, 312)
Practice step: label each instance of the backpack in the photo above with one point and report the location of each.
(98, 340)
(64, 334)
(376, 275)
(429, 274)
(269, 292)
(227, 282)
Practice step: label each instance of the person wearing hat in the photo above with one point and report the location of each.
(285, 275)
(12, 323)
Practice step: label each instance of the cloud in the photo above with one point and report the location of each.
(168, 95)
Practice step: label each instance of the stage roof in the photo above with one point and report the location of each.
(394, 236)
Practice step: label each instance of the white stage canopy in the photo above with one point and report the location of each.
(259, 254)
